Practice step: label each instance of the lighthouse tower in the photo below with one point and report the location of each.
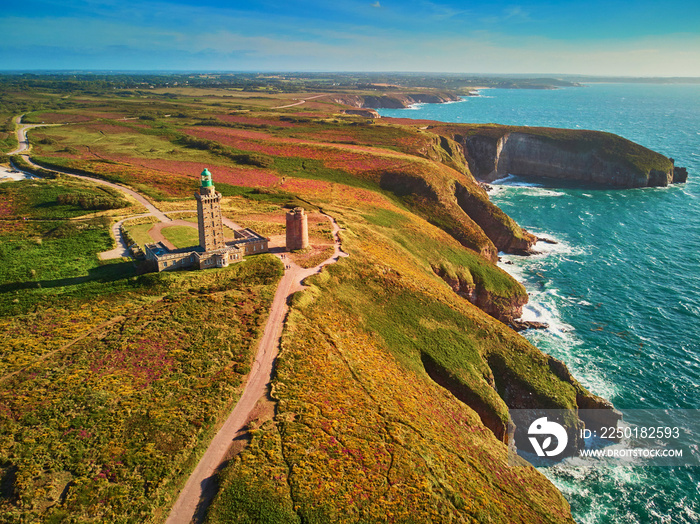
(211, 229)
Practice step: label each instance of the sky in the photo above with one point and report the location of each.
(595, 37)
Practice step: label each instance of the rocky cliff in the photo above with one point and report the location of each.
(395, 100)
(589, 157)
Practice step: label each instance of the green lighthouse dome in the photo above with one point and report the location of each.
(206, 179)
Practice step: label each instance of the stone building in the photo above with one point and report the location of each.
(297, 229)
(213, 250)
(211, 226)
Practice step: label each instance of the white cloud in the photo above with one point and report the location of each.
(340, 46)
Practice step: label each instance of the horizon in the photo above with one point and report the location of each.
(524, 76)
(637, 40)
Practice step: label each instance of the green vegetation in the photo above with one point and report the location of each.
(100, 415)
(20, 163)
(102, 427)
(181, 236)
(428, 249)
(59, 199)
(392, 388)
(139, 232)
(362, 433)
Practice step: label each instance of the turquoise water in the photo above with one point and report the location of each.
(621, 290)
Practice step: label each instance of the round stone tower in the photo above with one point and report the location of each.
(297, 229)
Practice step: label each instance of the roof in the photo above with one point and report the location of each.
(206, 178)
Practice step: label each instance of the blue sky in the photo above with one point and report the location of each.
(613, 37)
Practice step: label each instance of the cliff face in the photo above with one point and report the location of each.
(502, 230)
(588, 157)
(504, 309)
(366, 113)
(395, 101)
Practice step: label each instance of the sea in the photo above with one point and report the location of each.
(620, 290)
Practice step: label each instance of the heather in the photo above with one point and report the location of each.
(101, 413)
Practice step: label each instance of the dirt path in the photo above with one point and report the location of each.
(199, 486)
(299, 103)
(122, 249)
(152, 210)
(24, 146)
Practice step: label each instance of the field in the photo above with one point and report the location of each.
(362, 433)
(391, 393)
(181, 236)
(100, 415)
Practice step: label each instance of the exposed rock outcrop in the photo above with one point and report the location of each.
(505, 310)
(588, 157)
(506, 235)
(396, 100)
(366, 113)
(680, 175)
(590, 411)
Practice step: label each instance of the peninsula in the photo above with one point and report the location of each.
(397, 368)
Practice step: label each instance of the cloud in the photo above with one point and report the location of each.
(419, 39)
(512, 14)
(517, 13)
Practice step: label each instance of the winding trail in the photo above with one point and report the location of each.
(122, 249)
(199, 485)
(300, 102)
(197, 492)
(23, 143)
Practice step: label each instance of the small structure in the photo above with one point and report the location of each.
(213, 250)
(297, 229)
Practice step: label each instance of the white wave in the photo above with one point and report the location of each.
(536, 191)
(513, 180)
(525, 186)
(560, 247)
(546, 304)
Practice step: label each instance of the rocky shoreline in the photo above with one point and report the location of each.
(592, 158)
(395, 101)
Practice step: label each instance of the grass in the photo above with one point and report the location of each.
(421, 184)
(181, 236)
(362, 434)
(430, 248)
(389, 389)
(139, 233)
(50, 251)
(114, 420)
(43, 198)
(362, 431)
(100, 415)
